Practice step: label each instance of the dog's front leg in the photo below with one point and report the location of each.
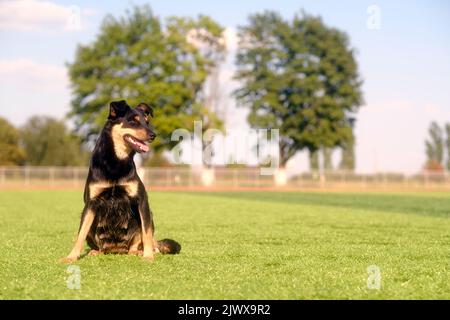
(147, 229)
(85, 225)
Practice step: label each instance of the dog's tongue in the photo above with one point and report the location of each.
(143, 147)
(138, 144)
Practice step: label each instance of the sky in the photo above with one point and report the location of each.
(403, 53)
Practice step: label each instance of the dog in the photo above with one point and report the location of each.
(116, 217)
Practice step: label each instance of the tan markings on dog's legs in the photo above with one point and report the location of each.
(96, 188)
(82, 234)
(135, 244)
(147, 242)
(93, 253)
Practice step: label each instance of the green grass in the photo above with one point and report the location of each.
(238, 246)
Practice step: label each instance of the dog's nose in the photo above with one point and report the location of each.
(152, 136)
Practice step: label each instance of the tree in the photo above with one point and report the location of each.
(211, 45)
(157, 159)
(447, 144)
(435, 144)
(138, 59)
(314, 160)
(10, 151)
(327, 159)
(433, 165)
(47, 142)
(348, 156)
(299, 76)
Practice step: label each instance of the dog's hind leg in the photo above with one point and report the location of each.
(93, 252)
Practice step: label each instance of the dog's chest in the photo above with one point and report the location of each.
(111, 190)
(117, 215)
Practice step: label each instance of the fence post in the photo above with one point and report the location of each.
(144, 174)
(3, 175)
(74, 175)
(404, 181)
(51, 176)
(446, 180)
(257, 180)
(27, 175)
(322, 179)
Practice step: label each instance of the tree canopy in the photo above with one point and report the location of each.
(48, 142)
(10, 151)
(139, 58)
(447, 144)
(434, 145)
(301, 77)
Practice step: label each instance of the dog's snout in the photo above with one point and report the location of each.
(151, 135)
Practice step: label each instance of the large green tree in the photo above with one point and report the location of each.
(48, 142)
(139, 58)
(301, 77)
(10, 151)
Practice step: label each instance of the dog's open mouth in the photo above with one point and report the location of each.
(135, 143)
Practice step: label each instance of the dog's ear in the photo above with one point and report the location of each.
(145, 108)
(118, 109)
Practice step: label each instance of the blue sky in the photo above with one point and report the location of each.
(405, 64)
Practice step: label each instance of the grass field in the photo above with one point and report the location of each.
(237, 246)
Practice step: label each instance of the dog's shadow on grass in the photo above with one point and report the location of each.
(86, 254)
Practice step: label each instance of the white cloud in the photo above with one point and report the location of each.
(28, 88)
(25, 73)
(33, 15)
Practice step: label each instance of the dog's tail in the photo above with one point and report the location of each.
(168, 246)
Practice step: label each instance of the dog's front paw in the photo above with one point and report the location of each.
(68, 259)
(135, 252)
(93, 253)
(149, 257)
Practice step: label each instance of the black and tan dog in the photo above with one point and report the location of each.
(117, 217)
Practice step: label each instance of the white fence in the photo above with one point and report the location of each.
(226, 178)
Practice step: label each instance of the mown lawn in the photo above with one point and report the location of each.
(246, 245)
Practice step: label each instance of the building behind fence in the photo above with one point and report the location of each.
(226, 178)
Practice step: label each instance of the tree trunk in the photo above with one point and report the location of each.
(327, 159)
(314, 160)
(348, 157)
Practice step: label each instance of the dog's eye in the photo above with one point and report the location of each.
(135, 120)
